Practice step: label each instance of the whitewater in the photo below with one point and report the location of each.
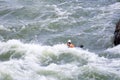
(33, 36)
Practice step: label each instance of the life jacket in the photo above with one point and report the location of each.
(70, 45)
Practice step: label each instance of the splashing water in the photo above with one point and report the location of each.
(33, 36)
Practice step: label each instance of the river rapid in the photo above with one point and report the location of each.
(33, 36)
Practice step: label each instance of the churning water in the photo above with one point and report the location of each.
(33, 34)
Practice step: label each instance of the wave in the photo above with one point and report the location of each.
(55, 53)
(111, 53)
(50, 62)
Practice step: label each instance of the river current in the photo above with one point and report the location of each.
(33, 36)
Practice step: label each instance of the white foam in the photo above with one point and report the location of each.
(115, 6)
(34, 50)
(3, 28)
(114, 50)
(30, 62)
(60, 11)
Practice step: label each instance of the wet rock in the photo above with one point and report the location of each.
(117, 34)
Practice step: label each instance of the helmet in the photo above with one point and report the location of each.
(69, 41)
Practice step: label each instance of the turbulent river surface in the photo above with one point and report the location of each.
(33, 36)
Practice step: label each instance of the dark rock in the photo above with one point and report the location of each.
(117, 34)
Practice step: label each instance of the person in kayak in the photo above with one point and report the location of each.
(69, 44)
